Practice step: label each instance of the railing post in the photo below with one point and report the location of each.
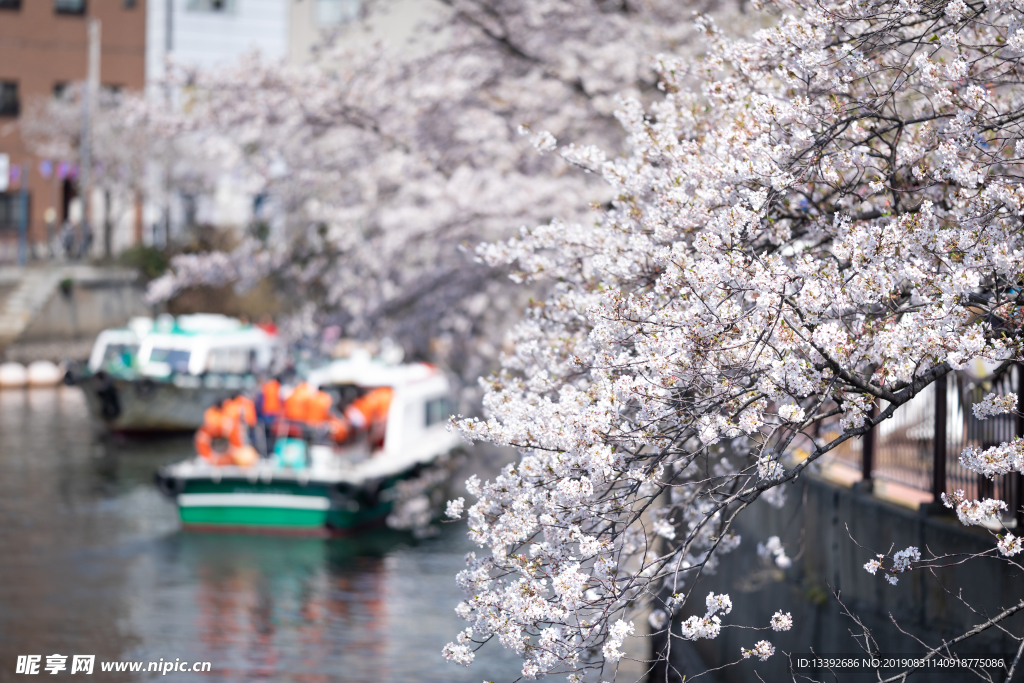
(939, 442)
(1018, 504)
(867, 452)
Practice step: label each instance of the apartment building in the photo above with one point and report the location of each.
(43, 48)
(213, 33)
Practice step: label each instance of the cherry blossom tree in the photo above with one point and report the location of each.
(385, 162)
(131, 160)
(811, 225)
(53, 129)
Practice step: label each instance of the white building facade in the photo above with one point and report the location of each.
(212, 34)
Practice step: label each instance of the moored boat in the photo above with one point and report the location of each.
(162, 375)
(340, 472)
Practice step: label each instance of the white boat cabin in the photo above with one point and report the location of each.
(188, 345)
(421, 404)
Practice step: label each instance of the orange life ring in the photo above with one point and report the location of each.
(204, 447)
(226, 422)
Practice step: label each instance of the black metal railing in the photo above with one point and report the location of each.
(920, 445)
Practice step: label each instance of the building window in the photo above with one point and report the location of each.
(129, 4)
(69, 6)
(334, 12)
(222, 6)
(9, 105)
(110, 96)
(60, 90)
(11, 206)
(10, 4)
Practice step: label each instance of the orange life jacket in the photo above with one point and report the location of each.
(340, 430)
(271, 397)
(308, 405)
(318, 407)
(242, 409)
(372, 407)
(368, 412)
(296, 406)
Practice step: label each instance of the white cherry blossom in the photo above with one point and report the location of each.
(761, 650)
(782, 622)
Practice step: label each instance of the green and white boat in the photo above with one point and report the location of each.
(160, 375)
(322, 489)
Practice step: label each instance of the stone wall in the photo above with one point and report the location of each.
(819, 526)
(82, 308)
(55, 312)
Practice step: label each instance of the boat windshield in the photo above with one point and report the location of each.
(118, 357)
(176, 359)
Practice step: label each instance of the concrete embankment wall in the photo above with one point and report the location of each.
(83, 308)
(59, 310)
(819, 526)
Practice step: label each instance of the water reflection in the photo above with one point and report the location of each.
(93, 562)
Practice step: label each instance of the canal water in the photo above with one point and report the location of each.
(92, 561)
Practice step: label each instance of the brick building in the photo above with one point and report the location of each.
(43, 47)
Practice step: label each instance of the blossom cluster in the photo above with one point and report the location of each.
(455, 507)
(901, 562)
(995, 460)
(773, 551)
(782, 622)
(973, 512)
(995, 404)
(616, 634)
(1009, 545)
(710, 625)
(761, 650)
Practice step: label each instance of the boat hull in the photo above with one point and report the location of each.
(280, 512)
(144, 405)
(308, 508)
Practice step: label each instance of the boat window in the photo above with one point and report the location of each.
(236, 361)
(342, 394)
(176, 359)
(438, 410)
(118, 357)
